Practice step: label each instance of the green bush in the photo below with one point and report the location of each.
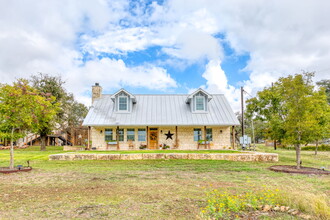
(322, 147)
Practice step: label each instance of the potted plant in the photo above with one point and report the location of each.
(143, 146)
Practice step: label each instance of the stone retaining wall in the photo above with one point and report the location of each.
(248, 157)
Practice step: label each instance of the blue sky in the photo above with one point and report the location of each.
(170, 46)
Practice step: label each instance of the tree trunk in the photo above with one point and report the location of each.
(43, 142)
(317, 144)
(274, 144)
(11, 164)
(298, 160)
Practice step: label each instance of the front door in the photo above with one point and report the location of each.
(153, 138)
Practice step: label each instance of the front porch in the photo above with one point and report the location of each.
(161, 137)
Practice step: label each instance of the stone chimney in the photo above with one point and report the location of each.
(96, 92)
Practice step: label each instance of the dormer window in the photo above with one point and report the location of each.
(123, 103)
(200, 102)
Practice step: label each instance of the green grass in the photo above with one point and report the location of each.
(149, 189)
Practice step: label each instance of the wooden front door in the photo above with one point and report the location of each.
(153, 138)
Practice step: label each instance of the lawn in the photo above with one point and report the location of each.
(150, 189)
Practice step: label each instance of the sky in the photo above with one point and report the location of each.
(164, 47)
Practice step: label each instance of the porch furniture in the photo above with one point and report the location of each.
(203, 143)
(111, 144)
(130, 144)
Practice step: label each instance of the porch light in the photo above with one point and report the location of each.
(220, 131)
(101, 132)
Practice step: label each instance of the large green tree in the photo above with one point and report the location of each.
(23, 108)
(70, 113)
(325, 83)
(292, 110)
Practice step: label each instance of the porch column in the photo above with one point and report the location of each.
(88, 138)
(176, 137)
(147, 137)
(204, 137)
(233, 137)
(117, 137)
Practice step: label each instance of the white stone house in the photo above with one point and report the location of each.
(127, 121)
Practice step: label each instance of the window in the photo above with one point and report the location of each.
(130, 134)
(123, 103)
(209, 134)
(200, 103)
(141, 134)
(121, 134)
(108, 134)
(197, 134)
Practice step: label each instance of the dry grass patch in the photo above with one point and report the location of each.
(153, 189)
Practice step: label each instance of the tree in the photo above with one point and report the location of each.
(50, 85)
(320, 130)
(297, 94)
(70, 112)
(22, 108)
(293, 110)
(268, 108)
(326, 85)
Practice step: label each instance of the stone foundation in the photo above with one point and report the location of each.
(245, 157)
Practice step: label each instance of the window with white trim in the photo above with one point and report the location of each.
(108, 134)
(123, 103)
(130, 134)
(141, 134)
(209, 134)
(200, 103)
(121, 134)
(197, 134)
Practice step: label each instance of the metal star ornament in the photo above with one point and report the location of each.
(169, 135)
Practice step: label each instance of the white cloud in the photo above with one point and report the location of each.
(188, 46)
(114, 74)
(119, 41)
(281, 37)
(217, 82)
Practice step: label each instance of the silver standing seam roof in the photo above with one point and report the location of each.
(160, 110)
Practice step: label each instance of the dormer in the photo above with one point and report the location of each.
(123, 101)
(198, 101)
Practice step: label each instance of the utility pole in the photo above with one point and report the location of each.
(275, 139)
(242, 105)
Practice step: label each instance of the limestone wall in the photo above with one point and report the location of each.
(98, 139)
(247, 157)
(221, 137)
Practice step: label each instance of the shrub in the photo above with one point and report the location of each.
(143, 146)
(322, 147)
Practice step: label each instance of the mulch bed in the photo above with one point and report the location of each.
(15, 147)
(302, 170)
(16, 169)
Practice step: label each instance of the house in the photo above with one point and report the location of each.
(129, 121)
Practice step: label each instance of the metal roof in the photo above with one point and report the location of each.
(160, 110)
